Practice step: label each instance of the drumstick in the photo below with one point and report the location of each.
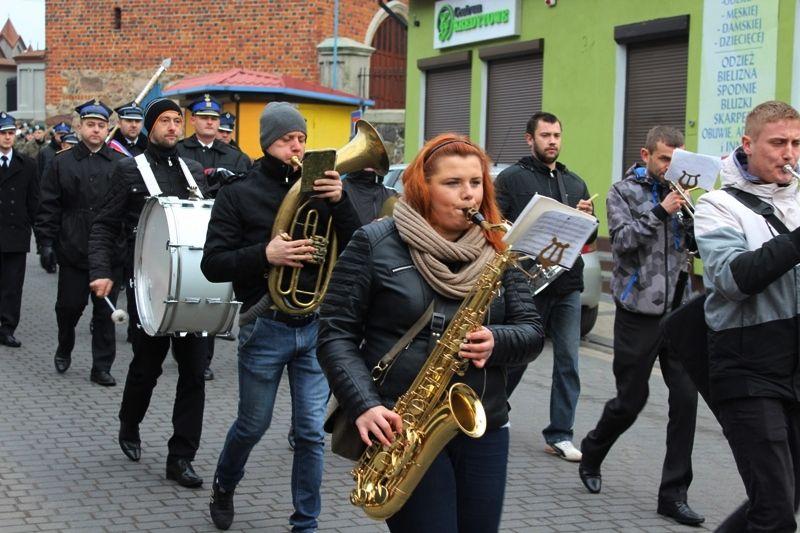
(592, 197)
(118, 316)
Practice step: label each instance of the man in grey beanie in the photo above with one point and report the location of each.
(238, 249)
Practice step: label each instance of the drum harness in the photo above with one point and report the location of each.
(152, 185)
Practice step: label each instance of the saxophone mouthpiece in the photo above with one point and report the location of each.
(475, 216)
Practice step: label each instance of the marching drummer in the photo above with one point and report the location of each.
(161, 174)
(73, 185)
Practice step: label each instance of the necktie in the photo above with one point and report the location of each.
(4, 161)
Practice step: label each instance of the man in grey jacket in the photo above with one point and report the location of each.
(649, 250)
(751, 271)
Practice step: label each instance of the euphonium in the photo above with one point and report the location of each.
(433, 410)
(296, 219)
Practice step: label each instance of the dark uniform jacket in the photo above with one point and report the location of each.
(517, 184)
(376, 295)
(366, 192)
(241, 226)
(124, 202)
(19, 201)
(220, 155)
(135, 148)
(46, 156)
(71, 191)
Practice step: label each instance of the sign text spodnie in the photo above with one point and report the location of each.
(738, 68)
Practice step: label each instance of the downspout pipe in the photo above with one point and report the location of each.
(392, 14)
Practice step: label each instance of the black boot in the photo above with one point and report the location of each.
(181, 470)
(129, 441)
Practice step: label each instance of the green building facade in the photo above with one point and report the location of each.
(609, 69)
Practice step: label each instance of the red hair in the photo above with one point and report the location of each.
(416, 186)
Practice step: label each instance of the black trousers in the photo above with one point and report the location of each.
(130, 296)
(190, 396)
(12, 277)
(637, 343)
(764, 435)
(73, 295)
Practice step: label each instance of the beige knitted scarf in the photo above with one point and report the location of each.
(430, 251)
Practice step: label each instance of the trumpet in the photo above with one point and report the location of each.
(789, 170)
(687, 209)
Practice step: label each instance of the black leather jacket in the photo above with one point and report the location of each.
(376, 295)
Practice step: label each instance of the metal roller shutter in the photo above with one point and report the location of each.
(514, 94)
(447, 101)
(655, 92)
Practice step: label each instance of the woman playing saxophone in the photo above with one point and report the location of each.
(383, 283)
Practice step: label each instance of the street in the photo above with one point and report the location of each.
(62, 470)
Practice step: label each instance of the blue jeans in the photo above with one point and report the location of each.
(265, 348)
(462, 491)
(561, 316)
(562, 321)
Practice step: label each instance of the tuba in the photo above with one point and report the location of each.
(296, 219)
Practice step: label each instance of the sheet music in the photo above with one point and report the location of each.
(689, 170)
(552, 229)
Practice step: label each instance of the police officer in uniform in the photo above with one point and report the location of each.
(123, 204)
(19, 200)
(55, 145)
(73, 186)
(204, 147)
(129, 139)
(227, 125)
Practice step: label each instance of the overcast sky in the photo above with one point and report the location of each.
(27, 17)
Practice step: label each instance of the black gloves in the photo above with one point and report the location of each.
(47, 258)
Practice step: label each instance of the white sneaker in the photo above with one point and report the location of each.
(565, 450)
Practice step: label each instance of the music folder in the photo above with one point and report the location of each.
(551, 232)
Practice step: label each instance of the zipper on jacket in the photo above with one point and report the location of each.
(629, 286)
(666, 265)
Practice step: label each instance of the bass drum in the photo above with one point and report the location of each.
(173, 297)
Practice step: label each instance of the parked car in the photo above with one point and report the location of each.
(592, 277)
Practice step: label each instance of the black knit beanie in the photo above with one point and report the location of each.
(155, 108)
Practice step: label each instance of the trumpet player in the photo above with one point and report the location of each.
(238, 249)
(649, 250)
(751, 271)
(391, 271)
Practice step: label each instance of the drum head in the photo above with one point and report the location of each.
(153, 265)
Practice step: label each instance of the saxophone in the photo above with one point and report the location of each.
(433, 410)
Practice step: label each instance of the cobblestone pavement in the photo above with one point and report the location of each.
(61, 468)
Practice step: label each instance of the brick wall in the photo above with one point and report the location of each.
(87, 57)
